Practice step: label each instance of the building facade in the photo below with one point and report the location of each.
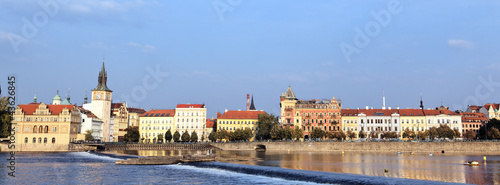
(349, 120)
(378, 121)
(42, 127)
(442, 116)
(473, 121)
(191, 118)
(307, 115)
(412, 119)
(238, 119)
(154, 123)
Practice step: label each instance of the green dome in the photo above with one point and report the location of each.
(57, 97)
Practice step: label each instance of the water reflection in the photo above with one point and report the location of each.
(440, 167)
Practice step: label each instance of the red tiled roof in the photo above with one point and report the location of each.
(411, 112)
(350, 112)
(469, 116)
(136, 110)
(474, 107)
(438, 112)
(210, 123)
(87, 112)
(116, 105)
(494, 105)
(234, 114)
(190, 106)
(159, 113)
(378, 112)
(29, 109)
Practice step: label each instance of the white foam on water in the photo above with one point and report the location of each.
(241, 177)
(94, 156)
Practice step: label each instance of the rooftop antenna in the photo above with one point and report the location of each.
(383, 99)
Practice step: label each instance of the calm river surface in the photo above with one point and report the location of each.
(271, 168)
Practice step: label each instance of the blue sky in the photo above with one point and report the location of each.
(217, 51)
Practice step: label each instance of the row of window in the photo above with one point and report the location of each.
(36, 119)
(156, 128)
(189, 113)
(233, 128)
(157, 122)
(40, 129)
(321, 121)
(39, 140)
(329, 128)
(237, 122)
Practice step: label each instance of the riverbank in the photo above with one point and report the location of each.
(462, 147)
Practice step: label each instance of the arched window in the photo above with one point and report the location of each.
(40, 129)
(46, 129)
(26, 140)
(44, 140)
(39, 140)
(34, 139)
(53, 140)
(34, 129)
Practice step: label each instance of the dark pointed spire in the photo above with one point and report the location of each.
(102, 79)
(252, 106)
(69, 90)
(421, 103)
(85, 99)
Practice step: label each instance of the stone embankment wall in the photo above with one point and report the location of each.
(472, 147)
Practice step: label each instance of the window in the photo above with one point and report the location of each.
(39, 140)
(34, 129)
(27, 129)
(26, 140)
(34, 140)
(53, 140)
(54, 129)
(44, 140)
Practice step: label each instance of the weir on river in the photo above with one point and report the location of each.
(167, 146)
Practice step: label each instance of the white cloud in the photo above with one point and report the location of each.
(108, 6)
(144, 48)
(460, 44)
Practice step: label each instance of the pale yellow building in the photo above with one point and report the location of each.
(42, 127)
(238, 119)
(413, 119)
(156, 122)
(349, 121)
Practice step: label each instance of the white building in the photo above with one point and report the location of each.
(443, 116)
(90, 122)
(379, 120)
(190, 118)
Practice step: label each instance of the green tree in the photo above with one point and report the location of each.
(265, 124)
(317, 133)
(373, 134)
(132, 134)
(409, 134)
(185, 136)
(88, 135)
(194, 137)
(422, 135)
(469, 134)
(277, 133)
(362, 134)
(5, 118)
(340, 135)
(297, 133)
(238, 135)
(457, 133)
(212, 136)
(287, 133)
(248, 134)
(432, 133)
(493, 133)
(351, 134)
(177, 136)
(485, 131)
(160, 138)
(168, 136)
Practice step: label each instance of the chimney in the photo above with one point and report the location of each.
(367, 107)
(248, 102)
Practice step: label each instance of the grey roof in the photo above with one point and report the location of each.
(289, 93)
(102, 79)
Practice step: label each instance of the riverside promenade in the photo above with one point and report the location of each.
(463, 147)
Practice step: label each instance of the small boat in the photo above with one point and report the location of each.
(472, 163)
(399, 153)
(431, 154)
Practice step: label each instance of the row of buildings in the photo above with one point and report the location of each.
(328, 115)
(42, 127)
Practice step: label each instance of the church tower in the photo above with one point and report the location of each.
(101, 103)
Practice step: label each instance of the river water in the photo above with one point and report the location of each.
(270, 168)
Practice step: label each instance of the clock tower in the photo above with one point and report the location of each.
(100, 103)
